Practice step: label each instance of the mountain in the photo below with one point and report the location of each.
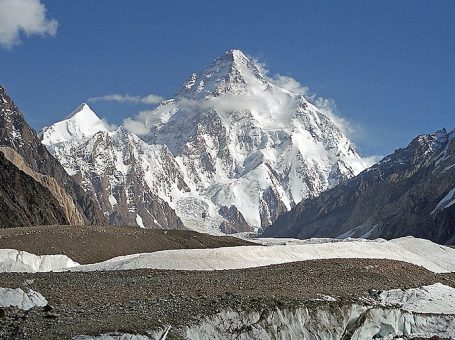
(251, 147)
(230, 152)
(22, 148)
(410, 192)
(122, 171)
(81, 124)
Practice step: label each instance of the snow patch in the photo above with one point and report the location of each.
(114, 336)
(112, 200)
(446, 202)
(152, 335)
(139, 221)
(82, 124)
(436, 298)
(18, 298)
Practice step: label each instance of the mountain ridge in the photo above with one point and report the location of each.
(16, 134)
(409, 192)
(241, 148)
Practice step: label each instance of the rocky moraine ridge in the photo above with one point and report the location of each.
(329, 299)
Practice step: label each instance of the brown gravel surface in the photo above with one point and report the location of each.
(139, 300)
(91, 244)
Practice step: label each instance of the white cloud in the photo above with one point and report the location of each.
(325, 105)
(292, 85)
(126, 98)
(151, 99)
(273, 110)
(140, 124)
(329, 108)
(261, 66)
(27, 17)
(109, 126)
(136, 126)
(351, 130)
(370, 160)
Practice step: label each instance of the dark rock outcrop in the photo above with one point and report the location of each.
(411, 192)
(16, 134)
(234, 221)
(24, 201)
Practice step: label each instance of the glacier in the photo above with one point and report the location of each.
(431, 256)
(420, 252)
(397, 313)
(403, 314)
(12, 260)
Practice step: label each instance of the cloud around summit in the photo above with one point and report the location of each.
(279, 107)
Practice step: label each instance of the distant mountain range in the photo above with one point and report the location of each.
(229, 153)
(411, 192)
(233, 151)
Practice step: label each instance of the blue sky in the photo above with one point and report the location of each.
(389, 65)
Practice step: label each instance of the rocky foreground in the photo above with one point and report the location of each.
(340, 289)
(142, 301)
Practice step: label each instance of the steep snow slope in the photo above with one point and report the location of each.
(81, 124)
(127, 176)
(232, 150)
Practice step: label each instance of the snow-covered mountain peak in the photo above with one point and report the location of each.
(81, 110)
(237, 59)
(232, 73)
(235, 53)
(81, 124)
(236, 148)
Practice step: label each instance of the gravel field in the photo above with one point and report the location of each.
(139, 300)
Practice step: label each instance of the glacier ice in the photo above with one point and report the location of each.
(10, 297)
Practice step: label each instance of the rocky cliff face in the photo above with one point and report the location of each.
(72, 214)
(411, 192)
(17, 135)
(229, 153)
(24, 201)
